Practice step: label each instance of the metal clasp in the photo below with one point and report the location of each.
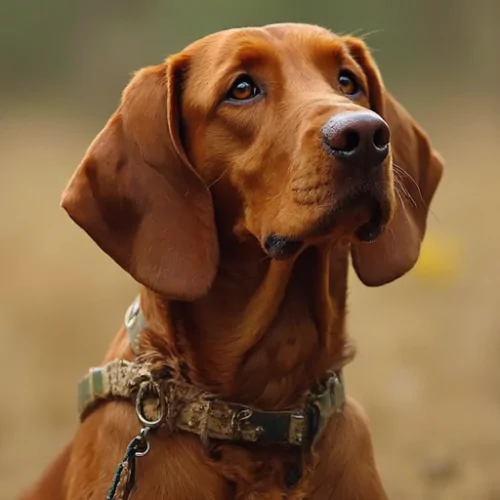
(145, 389)
(141, 441)
(338, 391)
(238, 419)
(297, 430)
(132, 313)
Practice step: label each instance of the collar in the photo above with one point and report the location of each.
(163, 400)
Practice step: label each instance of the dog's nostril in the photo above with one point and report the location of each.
(381, 137)
(351, 141)
(357, 138)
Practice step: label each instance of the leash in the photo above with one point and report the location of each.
(139, 446)
(167, 401)
(124, 479)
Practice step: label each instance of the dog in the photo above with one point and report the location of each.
(234, 183)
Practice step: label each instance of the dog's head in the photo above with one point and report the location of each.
(283, 134)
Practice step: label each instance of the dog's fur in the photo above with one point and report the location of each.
(182, 189)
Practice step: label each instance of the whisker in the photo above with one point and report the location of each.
(401, 185)
(434, 216)
(218, 178)
(360, 34)
(399, 195)
(401, 189)
(404, 173)
(276, 196)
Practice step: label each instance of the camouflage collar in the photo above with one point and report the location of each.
(162, 400)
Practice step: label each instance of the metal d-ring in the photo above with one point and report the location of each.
(142, 438)
(148, 388)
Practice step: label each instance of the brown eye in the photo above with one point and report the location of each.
(243, 89)
(348, 83)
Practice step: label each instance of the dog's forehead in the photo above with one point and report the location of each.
(293, 51)
(284, 45)
(222, 44)
(299, 31)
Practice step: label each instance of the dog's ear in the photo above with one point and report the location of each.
(417, 171)
(137, 196)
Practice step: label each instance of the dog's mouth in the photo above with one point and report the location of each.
(363, 215)
(377, 215)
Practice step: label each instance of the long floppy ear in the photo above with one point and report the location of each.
(137, 196)
(417, 170)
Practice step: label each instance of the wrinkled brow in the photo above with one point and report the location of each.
(242, 55)
(252, 51)
(247, 53)
(334, 50)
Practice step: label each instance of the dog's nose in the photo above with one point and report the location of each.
(357, 138)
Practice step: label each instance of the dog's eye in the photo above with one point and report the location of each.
(243, 89)
(348, 83)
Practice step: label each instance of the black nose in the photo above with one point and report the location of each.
(357, 138)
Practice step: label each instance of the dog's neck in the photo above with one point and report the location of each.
(266, 332)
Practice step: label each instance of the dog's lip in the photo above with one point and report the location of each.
(281, 247)
(374, 227)
(377, 208)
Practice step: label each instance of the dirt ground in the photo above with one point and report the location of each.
(427, 370)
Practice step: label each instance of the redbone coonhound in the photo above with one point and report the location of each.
(234, 182)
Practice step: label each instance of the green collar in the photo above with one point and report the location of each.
(182, 406)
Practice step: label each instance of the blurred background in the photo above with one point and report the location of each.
(428, 368)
